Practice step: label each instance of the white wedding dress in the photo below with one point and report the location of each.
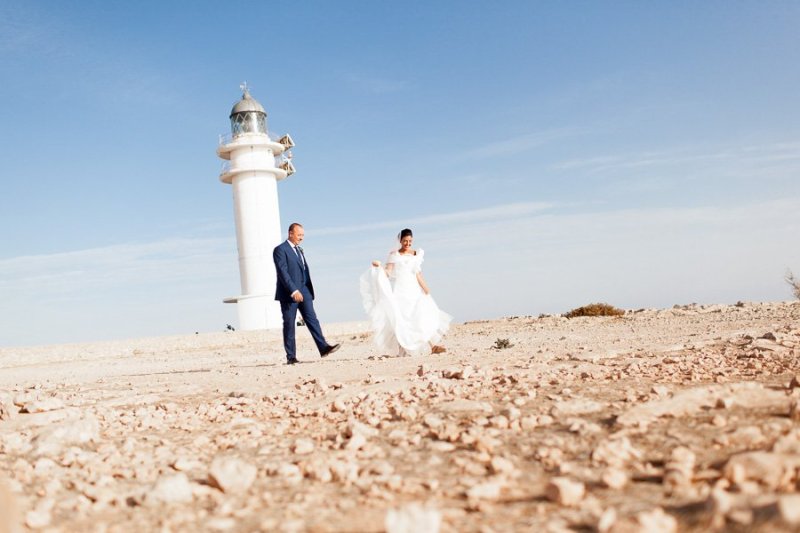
(401, 315)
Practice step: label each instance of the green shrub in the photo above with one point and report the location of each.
(595, 310)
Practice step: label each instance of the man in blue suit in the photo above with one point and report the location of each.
(295, 292)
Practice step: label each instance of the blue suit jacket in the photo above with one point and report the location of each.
(292, 276)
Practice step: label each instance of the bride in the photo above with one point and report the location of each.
(405, 318)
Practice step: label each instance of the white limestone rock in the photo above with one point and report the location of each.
(488, 490)
(565, 491)
(40, 516)
(303, 446)
(616, 451)
(770, 470)
(614, 478)
(53, 439)
(171, 488)
(413, 518)
(789, 508)
(41, 406)
(231, 474)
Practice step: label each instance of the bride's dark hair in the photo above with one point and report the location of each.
(404, 233)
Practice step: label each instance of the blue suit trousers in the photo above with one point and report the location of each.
(306, 308)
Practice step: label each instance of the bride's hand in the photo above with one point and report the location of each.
(376, 263)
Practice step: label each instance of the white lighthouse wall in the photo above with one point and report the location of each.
(257, 215)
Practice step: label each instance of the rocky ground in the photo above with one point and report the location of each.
(683, 419)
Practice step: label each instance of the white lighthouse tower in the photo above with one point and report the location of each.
(255, 163)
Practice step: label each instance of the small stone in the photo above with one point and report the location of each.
(679, 470)
(499, 422)
(765, 468)
(413, 518)
(614, 478)
(43, 465)
(289, 471)
(607, 520)
(174, 488)
(52, 439)
(343, 471)
(356, 442)
(458, 373)
(432, 421)
(657, 520)
(303, 446)
(527, 423)
(41, 406)
(575, 407)
(221, 523)
(40, 516)
(615, 452)
(231, 474)
(489, 490)
(789, 508)
(442, 446)
(746, 437)
(565, 491)
(719, 421)
(724, 403)
(184, 464)
(660, 390)
(501, 465)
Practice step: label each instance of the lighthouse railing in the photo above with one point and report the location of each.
(227, 138)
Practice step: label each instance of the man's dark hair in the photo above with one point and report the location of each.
(294, 225)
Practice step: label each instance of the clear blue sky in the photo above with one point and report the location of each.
(547, 154)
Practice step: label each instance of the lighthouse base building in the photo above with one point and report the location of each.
(254, 162)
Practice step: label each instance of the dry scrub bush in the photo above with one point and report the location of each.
(502, 344)
(599, 309)
(794, 283)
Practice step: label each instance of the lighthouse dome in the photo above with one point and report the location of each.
(248, 116)
(247, 103)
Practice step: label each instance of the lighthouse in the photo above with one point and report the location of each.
(255, 161)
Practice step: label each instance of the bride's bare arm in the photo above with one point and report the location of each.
(422, 283)
(388, 268)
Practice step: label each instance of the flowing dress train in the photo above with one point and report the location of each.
(401, 315)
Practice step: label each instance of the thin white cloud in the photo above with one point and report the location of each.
(498, 212)
(520, 143)
(730, 156)
(154, 263)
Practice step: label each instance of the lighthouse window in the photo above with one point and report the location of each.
(248, 123)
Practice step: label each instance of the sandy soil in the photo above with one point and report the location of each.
(679, 419)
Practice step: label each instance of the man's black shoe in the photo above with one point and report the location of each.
(330, 350)
(292, 361)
